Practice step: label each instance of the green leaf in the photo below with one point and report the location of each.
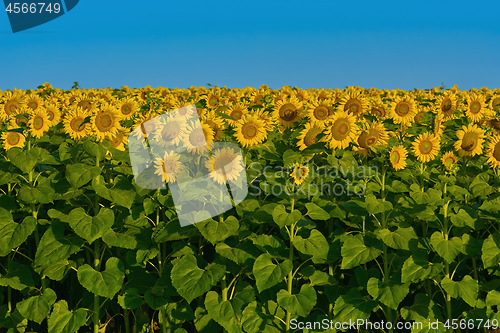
(253, 319)
(353, 306)
(91, 228)
(267, 274)
(37, 308)
(105, 284)
(315, 245)
(461, 219)
(282, 218)
(154, 301)
(18, 276)
(79, 174)
(447, 249)
(290, 157)
(355, 207)
(25, 160)
(376, 206)
(222, 312)
(355, 252)
(493, 298)
(215, 231)
(398, 239)
(43, 192)
(190, 281)
(118, 239)
(467, 289)
(422, 310)
(13, 234)
(64, 321)
(491, 251)
(316, 213)
(238, 255)
(122, 192)
(130, 299)
(301, 303)
(95, 149)
(417, 268)
(390, 293)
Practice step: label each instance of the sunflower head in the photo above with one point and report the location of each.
(470, 140)
(448, 160)
(288, 111)
(342, 130)
(13, 139)
(299, 173)
(397, 157)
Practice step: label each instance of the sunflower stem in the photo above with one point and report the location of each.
(447, 265)
(290, 275)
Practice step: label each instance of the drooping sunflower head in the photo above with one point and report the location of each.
(120, 139)
(105, 122)
(425, 147)
(378, 108)
(308, 136)
(448, 160)
(250, 130)
(342, 130)
(299, 173)
(13, 139)
(267, 118)
(403, 109)
(495, 103)
(494, 124)
(493, 152)
(288, 111)
(397, 157)
(470, 140)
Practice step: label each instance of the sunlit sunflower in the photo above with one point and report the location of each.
(236, 112)
(12, 139)
(53, 114)
(85, 102)
(353, 101)
(198, 138)
(494, 124)
(374, 135)
(216, 124)
(493, 151)
(120, 139)
(403, 109)
(268, 119)
(74, 123)
(288, 111)
(105, 122)
(448, 160)
(319, 111)
(299, 173)
(426, 147)
(33, 101)
(378, 108)
(438, 125)
(397, 156)
(470, 141)
(169, 131)
(38, 122)
(302, 95)
(12, 102)
(308, 136)
(20, 116)
(495, 103)
(476, 107)
(168, 167)
(250, 130)
(213, 100)
(224, 165)
(341, 130)
(446, 105)
(127, 106)
(186, 110)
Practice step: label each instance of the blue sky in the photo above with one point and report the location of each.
(239, 43)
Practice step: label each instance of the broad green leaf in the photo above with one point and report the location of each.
(376, 206)
(318, 278)
(122, 192)
(417, 268)
(88, 227)
(471, 246)
(316, 213)
(480, 186)
(222, 312)
(269, 243)
(355, 207)
(363, 275)
(204, 323)
(491, 251)
(422, 310)
(55, 247)
(62, 320)
(56, 271)
(79, 174)
(467, 289)
(355, 252)
(267, 273)
(353, 306)
(239, 256)
(13, 234)
(190, 281)
(18, 276)
(37, 308)
(283, 218)
(461, 219)
(154, 301)
(290, 157)
(106, 283)
(398, 239)
(448, 249)
(493, 298)
(130, 299)
(253, 319)
(301, 303)
(95, 149)
(315, 245)
(215, 231)
(41, 193)
(25, 160)
(390, 293)
(124, 240)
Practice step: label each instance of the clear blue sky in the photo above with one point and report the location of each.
(239, 43)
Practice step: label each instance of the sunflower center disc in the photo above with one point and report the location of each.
(288, 112)
(425, 147)
(340, 129)
(469, 141)
(395, 157)
(496, 152)
(249, 131)
(38, 123)
(321, 112)
(13, 139)
(236, 115)
(447, 105)
(475, 107)
(402, 109)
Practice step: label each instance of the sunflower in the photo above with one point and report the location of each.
(403, 110)
(288, 111)
(33, 101)
(446, 105)
(169, 130)
(213, 100)
(308, 136)
(470, 140)
(185, 110)
(397, 156)
(168, 167)
(448, 160)
(493, 152)
(74, 123)
(378, 108)
(494, 124)
(120, 139)
(224, 165)
(476, 107)
(236, 112)
(439, 125)
(319, 111)
(268, 119)
(39, 122)
(216, 124)
(342, 130)
(105, 122)
(353, 101)
(299, 174)
(426, 147)
(198, 138)
(374, 135)
(495, 103)
(13, 139)
(20, 116)
(53, 114)
(85, 102)
(12, 103)
(250, 130)
(127, 107)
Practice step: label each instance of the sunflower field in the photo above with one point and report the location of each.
(371, 205)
